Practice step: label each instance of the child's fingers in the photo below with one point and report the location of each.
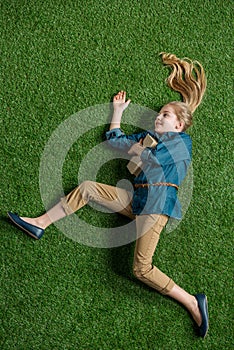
(121, 95)
(117, 97)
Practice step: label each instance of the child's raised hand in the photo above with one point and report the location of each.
(119, 101)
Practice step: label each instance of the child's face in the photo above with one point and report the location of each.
(167, 120)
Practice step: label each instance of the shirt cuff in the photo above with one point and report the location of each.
(145, 154)
(114, 133)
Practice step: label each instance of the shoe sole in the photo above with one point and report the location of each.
(22, 228)
(207, 317)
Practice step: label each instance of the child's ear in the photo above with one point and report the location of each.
(180, 126)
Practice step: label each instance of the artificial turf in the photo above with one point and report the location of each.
(58, 58)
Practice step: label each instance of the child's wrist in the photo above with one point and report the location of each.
(117, 115)
(118, 110)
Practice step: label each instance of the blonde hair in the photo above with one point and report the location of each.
(187, 78)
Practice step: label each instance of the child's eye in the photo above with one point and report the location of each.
(165, 115)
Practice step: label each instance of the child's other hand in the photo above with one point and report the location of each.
(119, 101)
(136, 149)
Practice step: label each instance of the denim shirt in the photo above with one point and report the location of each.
(167, 162)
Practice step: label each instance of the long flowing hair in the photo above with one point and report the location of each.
(188, 78)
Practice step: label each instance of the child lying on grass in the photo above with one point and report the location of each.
(155, 197)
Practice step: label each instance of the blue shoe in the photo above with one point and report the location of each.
(33, 231)
(203, 307)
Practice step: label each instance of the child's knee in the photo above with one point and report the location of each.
(140, 271)
(86, 187)
(86, 184)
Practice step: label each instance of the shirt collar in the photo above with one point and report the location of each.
(167, 135)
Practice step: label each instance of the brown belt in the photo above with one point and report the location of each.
(157, 184)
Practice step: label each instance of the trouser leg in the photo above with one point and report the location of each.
(114, 198)
(149, 228)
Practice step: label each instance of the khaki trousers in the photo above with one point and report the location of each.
(148, 228)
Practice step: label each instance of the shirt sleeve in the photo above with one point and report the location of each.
(117, 139)
(169, 152)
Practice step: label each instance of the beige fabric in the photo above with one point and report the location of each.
(148, 227)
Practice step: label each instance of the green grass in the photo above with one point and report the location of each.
(57, 58)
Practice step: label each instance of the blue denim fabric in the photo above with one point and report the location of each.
(168, 162)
